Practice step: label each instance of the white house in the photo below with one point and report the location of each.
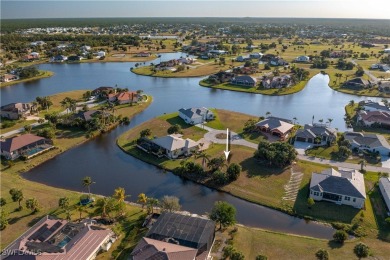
(195, 116)
(386, 50)
(256, 55)
(384, 187)
(174, 146)
(369, 142)
(302, 59)
(369, 105)
(101, 53)
(343, 187)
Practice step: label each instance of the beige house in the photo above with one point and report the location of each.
(276, 126)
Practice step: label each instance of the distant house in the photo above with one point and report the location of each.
(256, 55)
(75, 58)
(310, 132)
(276, 82)
(276, 126)
(242, 58)
(59, 58)
(221, 77)
(358, 83)
(126, 97)
(60, 239)
(384, 187)
(369, 105)
(101, 53)
(338, 54)
(244, 81)
(37, 43)
(143, 54)
(302, 59)
(277, 62)
(27, 145)
(196, 116)
(386, 50)
(16, 111)
(268, 57)
(103, 91)
(9, 77)
(368, 142)
(85, 48)
(381, 67)
(176, 236)
(384, 85)
(31, 57)
(217, 52)
(343, 187)
(368, 118)
(87, 116)
(173, 146)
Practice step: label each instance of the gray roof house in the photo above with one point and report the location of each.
(182, 237)
(369, 142)
(195, 116)
(276, 126)
(174, 146)
(244, 81)
(369, 105)
(310, 132)
(384, 187)
(15, 111)
(343, 187)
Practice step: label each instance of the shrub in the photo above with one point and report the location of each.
(340, 236)
(2, 202)
(322, 254)
(261, 257)
(174, 129)
(233, 171)
(310, 202)
(361, 250)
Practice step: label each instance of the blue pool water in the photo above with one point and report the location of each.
(64, 242)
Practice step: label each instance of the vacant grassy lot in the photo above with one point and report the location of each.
(195, 70)
(256, 89)
(42, 74)
(252, 242)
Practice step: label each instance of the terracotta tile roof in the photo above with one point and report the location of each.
(15, 143)
(123, 96)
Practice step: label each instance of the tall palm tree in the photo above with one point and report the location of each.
(295, 120)
(362, 163)
(87, 182)
(330, 121)
(352, 102)
(205, 158)
(81, 209)
(120, 194)
(267, 114)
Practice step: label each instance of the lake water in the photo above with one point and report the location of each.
(110, 168)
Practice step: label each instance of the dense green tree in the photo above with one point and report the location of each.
(151, 203)
(3, 218)
(170, 204)
(233, 171)
(250, 126)
(361, 250)
(340, 236)
(279, 154)
(322, 254)
(261, 257)
(175, 129)
(2, 202)
(32, 204)
(145, 132)
(28, 72)
(220, 177)
(216, 163)
(17, 196)
(223, 213)
(63, 202)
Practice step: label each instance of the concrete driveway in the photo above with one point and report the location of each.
(300, 147)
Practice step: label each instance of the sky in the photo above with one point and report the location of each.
(374, 9)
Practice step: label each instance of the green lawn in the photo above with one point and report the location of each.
(16, 124)
(256, 89)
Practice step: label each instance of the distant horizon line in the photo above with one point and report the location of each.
(190, 17)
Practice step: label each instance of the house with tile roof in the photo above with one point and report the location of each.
(343, 187)
(370, 142)
(309, 133)
(276, 126)
(57, 239)
(194, 116)
(126, 97)
(176, 236)
(368, 118)
(15, 111)
(28, 145)
(384, 187)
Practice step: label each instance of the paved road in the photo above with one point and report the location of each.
(234, 137)
(238, 140)
(20, 130)
(373, 78)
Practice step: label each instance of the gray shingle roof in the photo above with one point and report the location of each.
(316, 130)
(193, 112)
(369, 140)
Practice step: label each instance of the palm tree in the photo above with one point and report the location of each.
(87, 182)
(119, 194)
(32, 204)
(362, 163)
(81, 209)
(63, 202)
(267, 114)
(142, 199)
(103, 206)
(352, 102)
(151, 203)
(205, 158)
(295, 120)
(330, 121)
(312, 120)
